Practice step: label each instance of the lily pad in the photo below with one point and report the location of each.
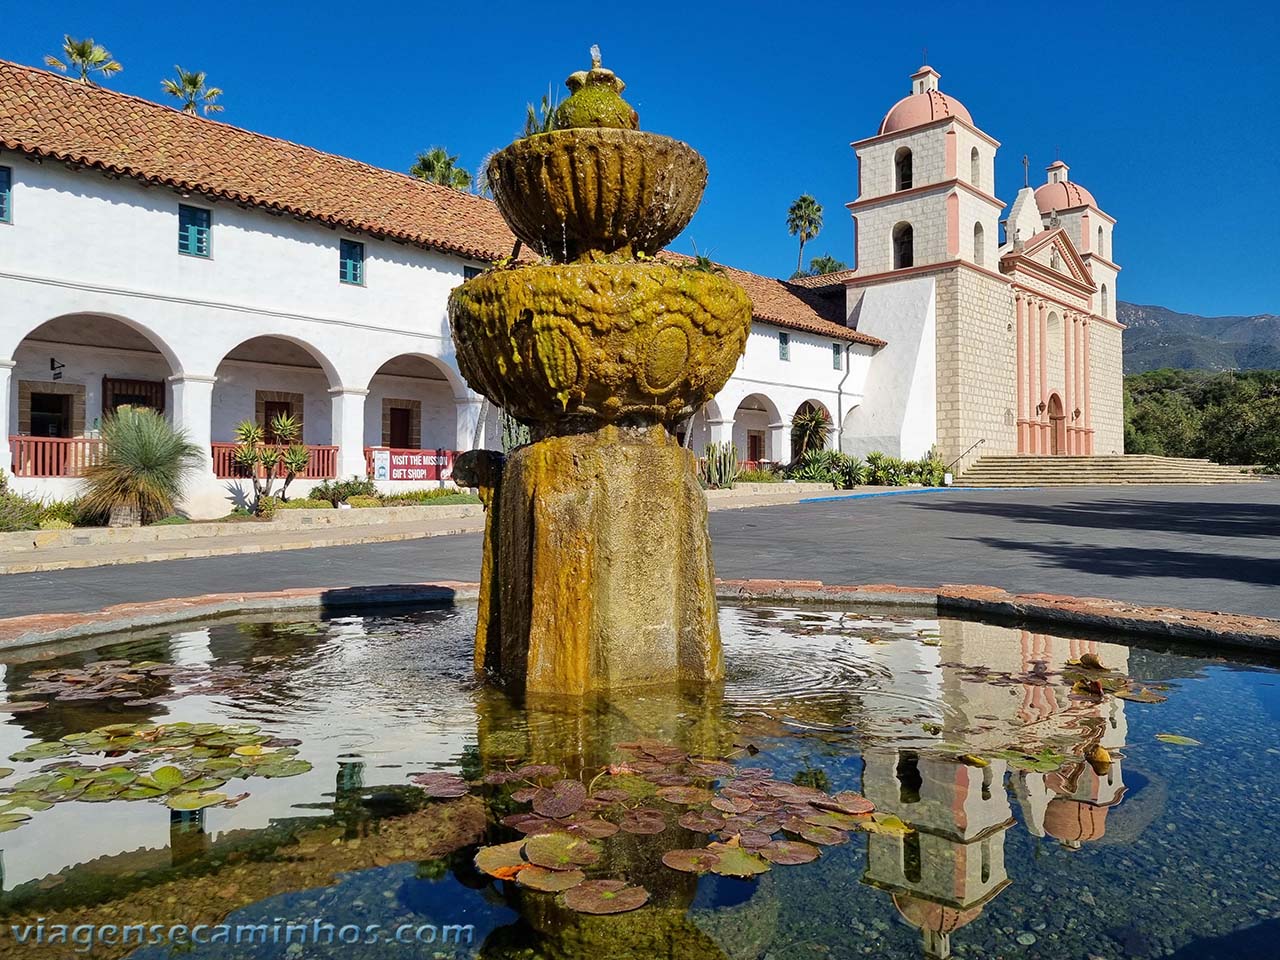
(560, 851)
(593, 827)
(195, 801)
(854, 804)
(1142, 695)
(701, 822)
(691, 861)
(502, 860)
(605, 896)
(291, 768)
(168, 777)
(733, 861)
(11, 821)
(827, 836)
(440, 785)
(1178, 739)
(563, 798)
(685, 796)
(841, 821)
(549, 881)
(788, 852)
(643, 821)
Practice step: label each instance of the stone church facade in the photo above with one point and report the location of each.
(1001, 333)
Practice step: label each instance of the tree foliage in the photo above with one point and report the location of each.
(191, 88)
(436, 165)
(1227, 417)
(85, 58)
(804, 219)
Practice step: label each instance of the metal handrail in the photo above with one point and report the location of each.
(971, 447)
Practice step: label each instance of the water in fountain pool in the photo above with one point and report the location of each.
(1034, 796)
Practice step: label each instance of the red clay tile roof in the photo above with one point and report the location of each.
(784, 304)
(45, 115)
(49, 116)
(824, 279)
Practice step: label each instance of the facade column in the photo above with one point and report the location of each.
(467, 412)
(1045, 426)
(1068, 377)
(1087, 330)
(1033, 415)
(719, 431)
(348, 430)
(192, 413)
(1078, 352)
(1020, 382)
(778, 447)
(6, 392)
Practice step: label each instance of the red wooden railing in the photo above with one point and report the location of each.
(388, 463)
(53, 456)
(323, 464)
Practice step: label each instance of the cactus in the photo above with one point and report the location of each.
(718, 468)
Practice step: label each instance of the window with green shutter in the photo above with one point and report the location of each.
(6, 195)
(194, 232)
(351, 261)
(835, 356)
(784, 345)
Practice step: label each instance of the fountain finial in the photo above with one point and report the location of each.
(595, 99)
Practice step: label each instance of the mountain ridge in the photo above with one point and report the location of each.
(1158, 337)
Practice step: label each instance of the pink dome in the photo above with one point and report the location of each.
(917, 109)
(1063, 195)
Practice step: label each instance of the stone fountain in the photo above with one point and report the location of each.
(597, 568)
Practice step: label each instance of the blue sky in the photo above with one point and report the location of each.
(1166, 112)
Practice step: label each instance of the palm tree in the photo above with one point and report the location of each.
(544, 123)
(804, 218)
(191, 90)
(810, 428)
(436, 166)
(84, 56)
(142, 470)
(825, 264)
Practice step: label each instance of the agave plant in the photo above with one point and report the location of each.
(141, 474)
(810, 428)
(264, 462)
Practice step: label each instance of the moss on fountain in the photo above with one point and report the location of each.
(597, 570)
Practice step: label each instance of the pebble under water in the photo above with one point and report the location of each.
(864, 783)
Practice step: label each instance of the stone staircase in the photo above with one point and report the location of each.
(1011, 471)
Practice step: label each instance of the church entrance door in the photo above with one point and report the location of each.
(1057, 426)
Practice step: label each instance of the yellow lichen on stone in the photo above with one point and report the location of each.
(609, 341)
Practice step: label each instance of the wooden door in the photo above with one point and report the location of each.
(401, 429)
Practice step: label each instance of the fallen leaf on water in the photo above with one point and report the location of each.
(887, 824)
(1177, 739)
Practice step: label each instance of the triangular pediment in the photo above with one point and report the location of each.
(1053, 250)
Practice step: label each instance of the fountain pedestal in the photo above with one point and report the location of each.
(597, 570)
(604, 565)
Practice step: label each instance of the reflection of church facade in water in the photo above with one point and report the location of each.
(944, 872)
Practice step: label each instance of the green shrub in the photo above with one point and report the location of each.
(308, 503)
(363, 503)
(18, 512)
(421, 496)
(444, 498)
(267, 507)
(53, 523)
(174, 520)
(142, 471)
(759, 475)
(338, 491)
(69, 511)
(930, 471)
(886, 471)
(828, 466)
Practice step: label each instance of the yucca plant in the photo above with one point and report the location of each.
(141, 473)
(263, 463)
(810, 428)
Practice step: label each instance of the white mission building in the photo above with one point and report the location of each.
(217, 275)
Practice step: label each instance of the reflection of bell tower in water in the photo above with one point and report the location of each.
(951, 864)
(944, 872)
